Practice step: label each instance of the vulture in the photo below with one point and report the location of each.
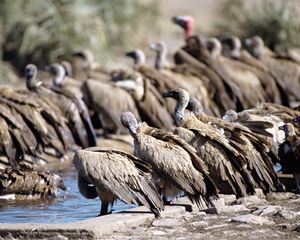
(85, 67)
(182, 76)
(287, 71)
(114, 175)
(186, 23)
(148, 101)
(254, 144)
(108, 100)
(175, 163)
(28, 184)
(63, 80)
(71, 107)
(273, 92)
(226, 159)
(289, 153)
(225, 93)
(239, 74)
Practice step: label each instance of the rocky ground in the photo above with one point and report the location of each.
(275, 216)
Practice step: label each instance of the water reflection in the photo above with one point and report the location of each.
(69, 206)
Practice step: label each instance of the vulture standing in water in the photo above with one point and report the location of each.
(223, 157)
(28, 184)
(175, 163)
(289, 153)
(182, 76)
(116, 175)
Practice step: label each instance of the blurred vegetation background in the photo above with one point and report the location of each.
(276, 21)
(44, 31)
(41, 32)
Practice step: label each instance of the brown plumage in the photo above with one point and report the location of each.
(148, 101)
(255, 146)
(287, 71)
(117, 175)
(72, 108)
(28, 184)
(239, 74)
(225, 93)
(182, 76)
(108, 101)
(174, 161)
(273, 92)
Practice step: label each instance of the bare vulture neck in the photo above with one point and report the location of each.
(179, 113)
(161, 56)
(59, 76)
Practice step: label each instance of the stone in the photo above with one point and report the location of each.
(259, 193)
(280, 196)
(199, 224)
(229, 198)
(251, 201)
(219, 202)
(287, 214)
(228, 209)
(157, 233)
(167, 222)
(267, 210)
(252, 219)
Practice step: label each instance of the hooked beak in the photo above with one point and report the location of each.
(167, 94)
(281, 127)
(179, 20)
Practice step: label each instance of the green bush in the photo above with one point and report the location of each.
(276, 21)
(42, 31)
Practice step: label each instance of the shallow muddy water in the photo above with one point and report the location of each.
(69, 206)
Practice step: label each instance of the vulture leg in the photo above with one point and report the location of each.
(104, 209)
(297, 178)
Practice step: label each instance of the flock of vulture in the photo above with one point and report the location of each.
(216, 121)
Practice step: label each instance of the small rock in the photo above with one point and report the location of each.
(227, 209)
(219, 202)
(199, 224)
(259, 193)
(267, 210)
(167, 222)
(280, 196)
(250, 201)
(198, 214)
(229, 198)
(287, 215)
(252, 219)
(157, 232)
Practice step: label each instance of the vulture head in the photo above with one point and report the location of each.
(288, 129)
(256, 46)
(182, 97)
(30, 75)
(161, 54)
(185, 22)
(129, 121)
(58, 72)
(138, 56)
(87, 58)
(214, 46)
(232, 47)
